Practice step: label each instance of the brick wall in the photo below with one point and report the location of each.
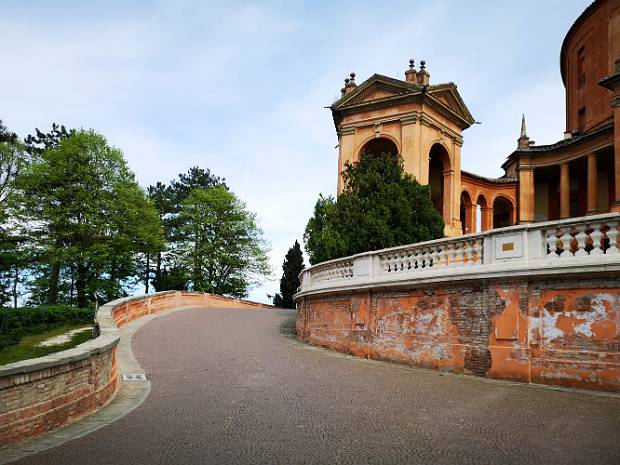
(43, 400)
(560, 331)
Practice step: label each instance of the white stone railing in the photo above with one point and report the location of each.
(570, 245)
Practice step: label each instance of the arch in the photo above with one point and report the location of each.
(503, 212)
(439, 165)
(482, 200)
(379, 145)
(484, 212)
(467, 213)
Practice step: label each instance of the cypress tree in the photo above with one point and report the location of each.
(292, 266)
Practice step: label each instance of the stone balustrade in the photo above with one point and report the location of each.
(522, 248)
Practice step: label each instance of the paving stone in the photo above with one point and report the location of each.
(229, 388)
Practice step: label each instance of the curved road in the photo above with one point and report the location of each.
(229, 388)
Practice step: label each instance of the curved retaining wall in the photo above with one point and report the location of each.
(537, 303)
(46, 393)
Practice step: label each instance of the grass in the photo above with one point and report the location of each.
(27, 346)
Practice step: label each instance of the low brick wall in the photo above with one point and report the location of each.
(555, 330)
(46, 393)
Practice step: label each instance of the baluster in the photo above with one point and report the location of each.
(596, 236)
(469, 253)
(612, 235)
(477, 248)
(452, 253)
(432, 258)
(441, 257)
(552, 242)
(460, 253)
(566, 239)
(581, 237)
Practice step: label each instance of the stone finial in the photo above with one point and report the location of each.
(411, 75)
(349, 85)
(423, 75)
(524, 140)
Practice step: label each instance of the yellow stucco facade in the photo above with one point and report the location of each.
(423, 123)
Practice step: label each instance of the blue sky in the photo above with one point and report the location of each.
(240, 87)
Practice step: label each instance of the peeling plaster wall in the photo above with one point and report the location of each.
(559, 332)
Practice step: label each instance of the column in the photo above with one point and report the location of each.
(526, 195)
(470, 219)
(592, 184)
(615, 103)
(487, 218)
(410, 153)
(448, 202)
(346, 153)
(564, 191)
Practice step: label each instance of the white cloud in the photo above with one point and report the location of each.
(240, 89)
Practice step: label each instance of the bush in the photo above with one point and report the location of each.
(16, 323)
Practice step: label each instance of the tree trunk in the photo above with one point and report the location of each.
(80, 284)
(15, 282)
(158, 273)
(147, 274)
(52, 290)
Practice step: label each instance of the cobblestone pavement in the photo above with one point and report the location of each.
(229, 388)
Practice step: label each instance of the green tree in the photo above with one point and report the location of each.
(222, 245)
(87, 217)
(380, 206)
(289, 283)
(13, 158)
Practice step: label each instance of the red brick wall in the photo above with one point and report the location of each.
(559, 332)
(40, 401)
(597, 34)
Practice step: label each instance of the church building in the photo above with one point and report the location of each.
(424, 123)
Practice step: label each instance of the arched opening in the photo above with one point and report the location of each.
(379, 145)
(502, 212)
(438, 165)
(467, 213)
(483, 214)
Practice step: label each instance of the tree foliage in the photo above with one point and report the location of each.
(381, 206)
(289, 283)
(223, 245)
(87, 218)
(74, 224)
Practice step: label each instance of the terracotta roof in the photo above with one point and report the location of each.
(502, 180)
(572, 140)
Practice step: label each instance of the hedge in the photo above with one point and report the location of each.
(16, 323)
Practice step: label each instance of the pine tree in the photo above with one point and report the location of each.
(289, 284)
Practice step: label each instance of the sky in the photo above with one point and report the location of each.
(241, 88)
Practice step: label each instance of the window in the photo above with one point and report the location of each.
(581, 119)
(581, 70)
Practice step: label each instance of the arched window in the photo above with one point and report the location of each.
(438, 164)
(502, 212)
(467, 214)
(379, 145)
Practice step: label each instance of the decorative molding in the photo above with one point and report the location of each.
(409, 120)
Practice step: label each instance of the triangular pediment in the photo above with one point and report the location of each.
(379, 90)
(448, 96)
(376, 88)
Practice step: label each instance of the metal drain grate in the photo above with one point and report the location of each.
(134, 377)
